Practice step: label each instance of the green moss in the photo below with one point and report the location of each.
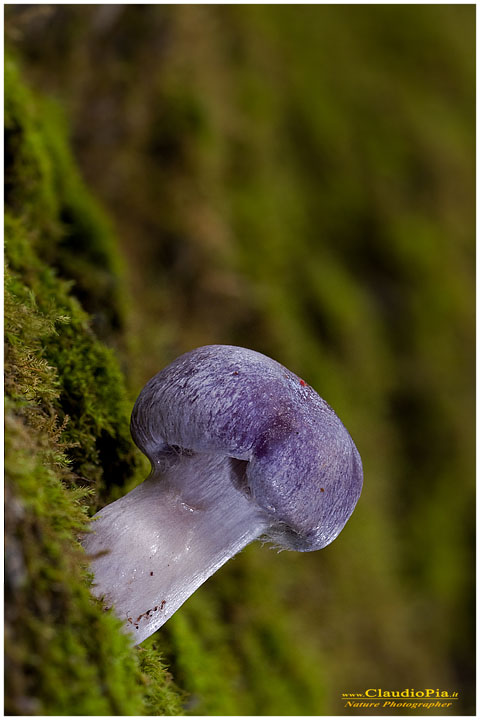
(54, 230)
(57, 639)
(234, 646)
(69, 229)
(90, 389)
(67, 441)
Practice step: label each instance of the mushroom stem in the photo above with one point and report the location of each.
(151, 549)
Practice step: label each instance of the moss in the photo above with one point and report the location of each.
(234, 646)
(57, 639)
(70, 230)
(90, 389)
(67, 440)
(55, 236)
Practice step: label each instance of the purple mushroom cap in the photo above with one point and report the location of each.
(291, 454)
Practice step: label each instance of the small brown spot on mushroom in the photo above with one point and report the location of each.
(235, 373)
(164, 602)
(151, 573)
(322, 489)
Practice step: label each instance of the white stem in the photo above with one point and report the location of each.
(154, 547)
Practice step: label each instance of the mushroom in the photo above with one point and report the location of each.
(241, 448)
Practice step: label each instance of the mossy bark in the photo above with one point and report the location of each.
(67, 438)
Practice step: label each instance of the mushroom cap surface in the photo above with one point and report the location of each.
(293, 455)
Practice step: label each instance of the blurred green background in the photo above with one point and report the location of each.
(299, 180)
